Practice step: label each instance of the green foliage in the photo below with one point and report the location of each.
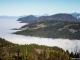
(30, 52)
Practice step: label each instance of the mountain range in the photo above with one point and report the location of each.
(60, 25)
(59, 17)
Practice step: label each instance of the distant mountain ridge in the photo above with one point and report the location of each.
(60, 25)
(10, 16)
(28, 19)
(76, 15)
(59, 17)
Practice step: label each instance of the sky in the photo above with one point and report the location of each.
(38, 7)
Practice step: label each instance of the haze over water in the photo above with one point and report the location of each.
(6, 24)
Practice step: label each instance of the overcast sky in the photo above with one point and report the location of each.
(38, 7)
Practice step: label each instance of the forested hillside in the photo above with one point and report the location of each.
(52, 29)
(10, 51)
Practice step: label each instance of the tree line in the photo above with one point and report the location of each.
(10, 51)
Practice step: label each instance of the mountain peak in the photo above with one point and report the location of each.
(46, 14)
(76, 15)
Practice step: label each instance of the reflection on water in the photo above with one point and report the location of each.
(5, 32)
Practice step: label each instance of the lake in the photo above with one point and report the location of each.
(6, 24)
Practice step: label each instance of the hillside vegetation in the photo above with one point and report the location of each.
(10, 51)
(52, 29)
